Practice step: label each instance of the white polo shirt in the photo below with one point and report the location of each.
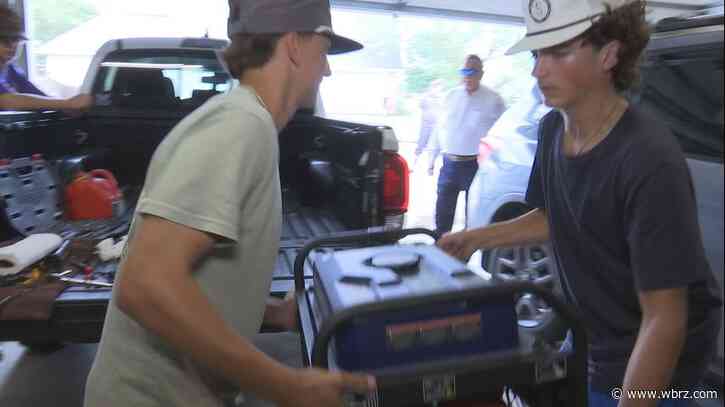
(467, 119)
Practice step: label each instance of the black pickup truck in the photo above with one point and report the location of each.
(336, 176)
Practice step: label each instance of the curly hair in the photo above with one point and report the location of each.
(627, 25)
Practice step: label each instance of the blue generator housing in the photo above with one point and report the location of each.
(426, 332)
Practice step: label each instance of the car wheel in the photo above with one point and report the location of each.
(528, 263)
(534, 264)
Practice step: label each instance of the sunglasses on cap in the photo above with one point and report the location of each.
(469, 72)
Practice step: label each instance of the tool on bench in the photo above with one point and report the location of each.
(55, 260)
(88, 283)
(77, 281)
(37, 275)
(5, 300)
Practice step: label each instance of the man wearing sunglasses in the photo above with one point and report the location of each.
(16, 91)
(469, 112)
(611, 191)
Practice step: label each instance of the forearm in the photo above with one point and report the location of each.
(654, 357)
(423, 137)
(434, 146)
(176, 309)
(434, 153)
(20, 101)
(530, 228)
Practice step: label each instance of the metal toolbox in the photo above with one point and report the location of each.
(439, 333)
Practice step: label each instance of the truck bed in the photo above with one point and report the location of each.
(331, 174)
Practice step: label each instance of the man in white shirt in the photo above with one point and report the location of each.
(470, 111)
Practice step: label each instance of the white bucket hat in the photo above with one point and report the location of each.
(554, 22)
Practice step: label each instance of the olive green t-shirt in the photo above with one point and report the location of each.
(217, 172)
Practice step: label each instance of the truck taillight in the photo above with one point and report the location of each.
(484, 150)
(395, 184)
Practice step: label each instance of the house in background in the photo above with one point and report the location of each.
(368, 82)
(59, 65)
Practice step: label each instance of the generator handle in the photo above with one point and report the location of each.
(371, 236)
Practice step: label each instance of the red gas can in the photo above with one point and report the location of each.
(93, 195)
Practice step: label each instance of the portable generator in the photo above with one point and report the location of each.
(425, 325)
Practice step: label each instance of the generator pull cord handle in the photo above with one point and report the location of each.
(350, 237)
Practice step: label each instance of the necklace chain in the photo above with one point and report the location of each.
(259, 98)
(600, 131)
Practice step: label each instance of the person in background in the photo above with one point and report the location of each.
(16, 91)
(470, 111)
(430, 109)
(612, 192)
(193, 283)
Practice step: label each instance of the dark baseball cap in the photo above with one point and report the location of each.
(10, 24)
(283, 16)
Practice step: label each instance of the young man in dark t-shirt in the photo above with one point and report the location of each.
(613, 194)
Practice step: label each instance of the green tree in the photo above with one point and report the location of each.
(382, 44)
(435, 52)
(53, 17)
(509, 75)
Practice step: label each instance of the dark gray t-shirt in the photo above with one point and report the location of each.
(623, 220)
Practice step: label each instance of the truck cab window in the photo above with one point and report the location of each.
(162, 81)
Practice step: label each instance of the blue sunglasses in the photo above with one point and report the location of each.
(469, 72)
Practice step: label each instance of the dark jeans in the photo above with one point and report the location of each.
(454, 177)
(598, 399)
